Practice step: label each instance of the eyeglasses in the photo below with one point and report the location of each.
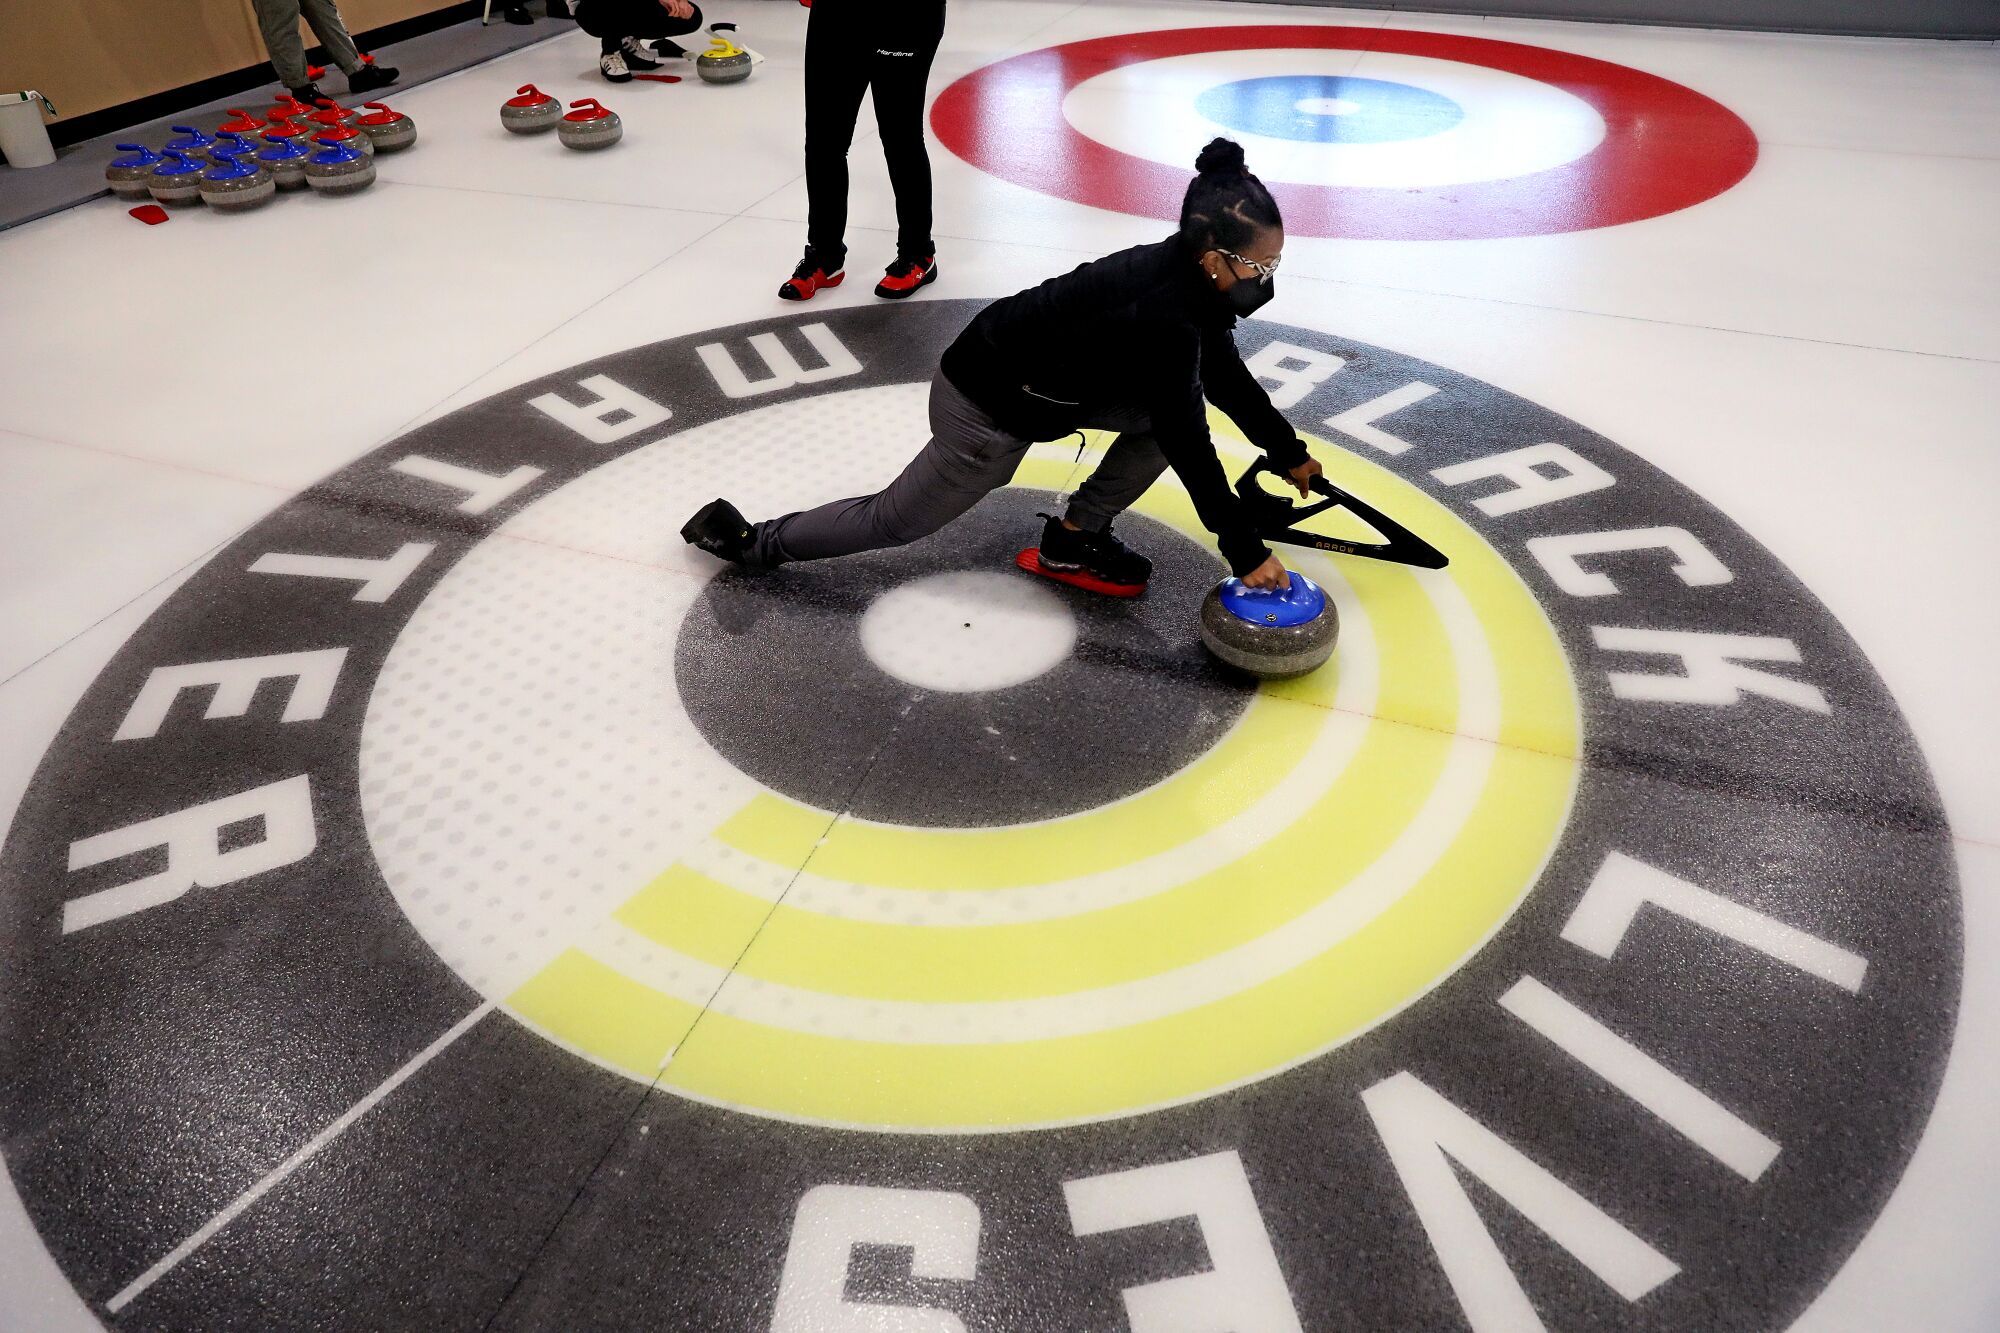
(1263, 271)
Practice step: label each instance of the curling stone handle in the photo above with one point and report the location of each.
(527, 88)
(131, 148)
(374, 106)
(1277, 520)
(590, 102)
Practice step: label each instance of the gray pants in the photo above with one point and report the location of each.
(279, 22)
(969, 455)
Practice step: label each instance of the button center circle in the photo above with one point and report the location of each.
(967, 631)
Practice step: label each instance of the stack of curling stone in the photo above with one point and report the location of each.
(339, 168)
(177, 180)
(234, 183)
(723, 62)
(589, 126)
(192, 142)
(127, 176)
(285, 158)
(390, 131)
(530, 111)
(1271, 634)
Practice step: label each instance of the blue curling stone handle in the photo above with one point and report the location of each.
(1296, 605)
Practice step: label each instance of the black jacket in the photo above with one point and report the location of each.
(1140, 329)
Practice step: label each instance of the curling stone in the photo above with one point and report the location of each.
(390, 131)
(338, 168)
(723, 62)
(192, 142)
(127, 175)
(282, 130)
(349, 136)
(333, 116)
(176, 181)
(531, 111)
(589, 126)
(285, 159)
(234, 183)
(231, 143)
(1269, 633)
(240, 122)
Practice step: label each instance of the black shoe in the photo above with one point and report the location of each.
(635, 54)
(1098, 554)
(370, 77)
(720, 530)
(666, 48)
(558, 9)
(310, 95)
(517, 15)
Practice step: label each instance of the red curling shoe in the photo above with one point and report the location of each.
(906, 275)
(808, 278)
(1031, 561)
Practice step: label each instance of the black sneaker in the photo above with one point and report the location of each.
(517, 15)
(370, 77)
(666, 48)
(310, 95)
(558, 9)
(635, 55)
(720, 530)
(1098, 554)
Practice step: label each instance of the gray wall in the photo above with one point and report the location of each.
(1879, 18)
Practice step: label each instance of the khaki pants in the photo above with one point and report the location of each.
(279, 22)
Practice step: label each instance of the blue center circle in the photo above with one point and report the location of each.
(1325, 108)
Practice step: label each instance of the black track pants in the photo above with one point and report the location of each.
(615, 20)
(852, 48)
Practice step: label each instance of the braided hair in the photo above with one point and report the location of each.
(1225, 206)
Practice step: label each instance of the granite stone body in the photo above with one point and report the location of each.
(1267, 651)
(530, 111)
(176, 181)
(388, 131)
(340, 170)
(589, 127)
(128, 176)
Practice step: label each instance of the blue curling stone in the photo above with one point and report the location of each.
(1269, 633)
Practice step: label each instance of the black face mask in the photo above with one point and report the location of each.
(1249, 295)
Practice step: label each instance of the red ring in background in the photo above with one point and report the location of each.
(1665, 147)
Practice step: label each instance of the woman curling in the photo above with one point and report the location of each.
(1131, 343)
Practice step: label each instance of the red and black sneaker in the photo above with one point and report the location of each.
(906, 275)
(808, 278)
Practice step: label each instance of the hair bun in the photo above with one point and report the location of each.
(1222, 156)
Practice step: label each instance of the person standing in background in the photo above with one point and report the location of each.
(855, 48)
(278, 21)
